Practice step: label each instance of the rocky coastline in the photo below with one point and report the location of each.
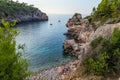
(36, 15)
(80, 33)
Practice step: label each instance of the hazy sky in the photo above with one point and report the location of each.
(64, 6)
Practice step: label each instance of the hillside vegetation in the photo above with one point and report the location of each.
(107, 10)
(21, 12)
(104, 57)
(11, 8)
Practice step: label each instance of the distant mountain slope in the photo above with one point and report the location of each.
(21, 12)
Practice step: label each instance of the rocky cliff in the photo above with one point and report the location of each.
(79, 30)
(81, 34)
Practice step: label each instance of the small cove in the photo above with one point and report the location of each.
(43, 42)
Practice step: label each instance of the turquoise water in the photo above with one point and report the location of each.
(43, 42)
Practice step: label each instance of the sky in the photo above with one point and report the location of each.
(64, 6)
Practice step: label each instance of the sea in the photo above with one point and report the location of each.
(44, 42)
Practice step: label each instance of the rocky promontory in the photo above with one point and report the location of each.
(79, 30)
(37, 15)
(81, 33)
(21, 12)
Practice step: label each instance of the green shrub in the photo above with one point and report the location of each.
(96, 41)
(98, 66)
(105, 55)
(12, 65)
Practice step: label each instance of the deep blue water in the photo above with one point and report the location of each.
(43, 42)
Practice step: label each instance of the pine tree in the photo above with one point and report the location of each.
(104, 8)
(114, 9)
(12, 65)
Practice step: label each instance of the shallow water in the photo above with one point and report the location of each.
(43, 42)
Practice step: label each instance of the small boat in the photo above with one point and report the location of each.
(59, 21)
(51, 24)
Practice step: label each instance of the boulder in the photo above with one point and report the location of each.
(70, 46)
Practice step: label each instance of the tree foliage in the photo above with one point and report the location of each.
(105, 10)
(12, 8)
(12, 65)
